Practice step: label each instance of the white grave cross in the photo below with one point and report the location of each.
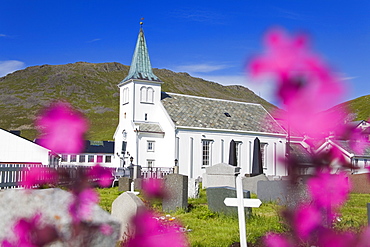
(241, 203)
(133, 188)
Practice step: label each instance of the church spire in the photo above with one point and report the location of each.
(140, 66)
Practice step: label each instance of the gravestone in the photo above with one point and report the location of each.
(124, 184)
(250, 183)
(53, 207)
(220, 175)
(124, 208)
(217, 195)
(283, 192)
(137, 183)
(193, 188)
(176, 187)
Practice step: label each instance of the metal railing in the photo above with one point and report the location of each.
(155, 172)
(13, 174)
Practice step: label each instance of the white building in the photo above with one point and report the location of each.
(359, 159)
(16, 149)
(157, 128)
(100, 152)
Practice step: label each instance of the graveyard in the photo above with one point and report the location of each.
(215, 229)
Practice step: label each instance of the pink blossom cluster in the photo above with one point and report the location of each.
(305, 87)
(62, 130)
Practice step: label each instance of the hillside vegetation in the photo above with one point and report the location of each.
(92, 89)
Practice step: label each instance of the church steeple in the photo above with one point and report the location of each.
(140, 66)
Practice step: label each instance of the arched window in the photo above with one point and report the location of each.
(150, 94)
(125, 96)
(143, 94)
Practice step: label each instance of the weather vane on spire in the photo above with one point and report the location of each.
(141, 23)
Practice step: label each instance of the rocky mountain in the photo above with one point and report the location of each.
(92, 89)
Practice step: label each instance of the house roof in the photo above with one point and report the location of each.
(347, 146)
(140, 65)
(299, 153)
(149, 127)
(106, 147)
(199, 112)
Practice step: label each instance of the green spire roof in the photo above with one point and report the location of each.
(140, 66)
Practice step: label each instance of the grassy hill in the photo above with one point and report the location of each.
(92, 89)
(358, 107)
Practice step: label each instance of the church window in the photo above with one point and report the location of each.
(150, 95)
(150, 163)
(264, 155)
(206, 152)
(143, 94)
(125, 95)
(146, 94)
(150, 146)
(238, 145)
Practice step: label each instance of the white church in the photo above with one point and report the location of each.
(162, 129)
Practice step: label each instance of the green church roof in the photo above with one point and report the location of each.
(140, 66)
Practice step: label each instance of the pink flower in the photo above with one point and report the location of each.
(358, 140)
(295, 67)
(82, 205)
(149, 231)
(306, 219)
(36, 176)
(305, 85)
(106, 229)
(62, 128)
(276, 240)
(329, 238)
(329, 190)
(153, 188)
(29, 234)
(102, 175)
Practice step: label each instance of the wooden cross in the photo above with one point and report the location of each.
(241, 203)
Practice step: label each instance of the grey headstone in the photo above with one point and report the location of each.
(53, 205)
(137, 183)
(176, 185)
(193, 188)
(217, 195)
(220, 175)
(124, 184)
(124, 208)
(283, 192)
(250, 183)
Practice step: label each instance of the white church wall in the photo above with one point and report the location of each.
(146, 100)
(191, 151)
(17, 149)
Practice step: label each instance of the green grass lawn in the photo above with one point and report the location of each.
(213, 229)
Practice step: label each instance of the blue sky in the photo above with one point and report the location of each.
(208, 39)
